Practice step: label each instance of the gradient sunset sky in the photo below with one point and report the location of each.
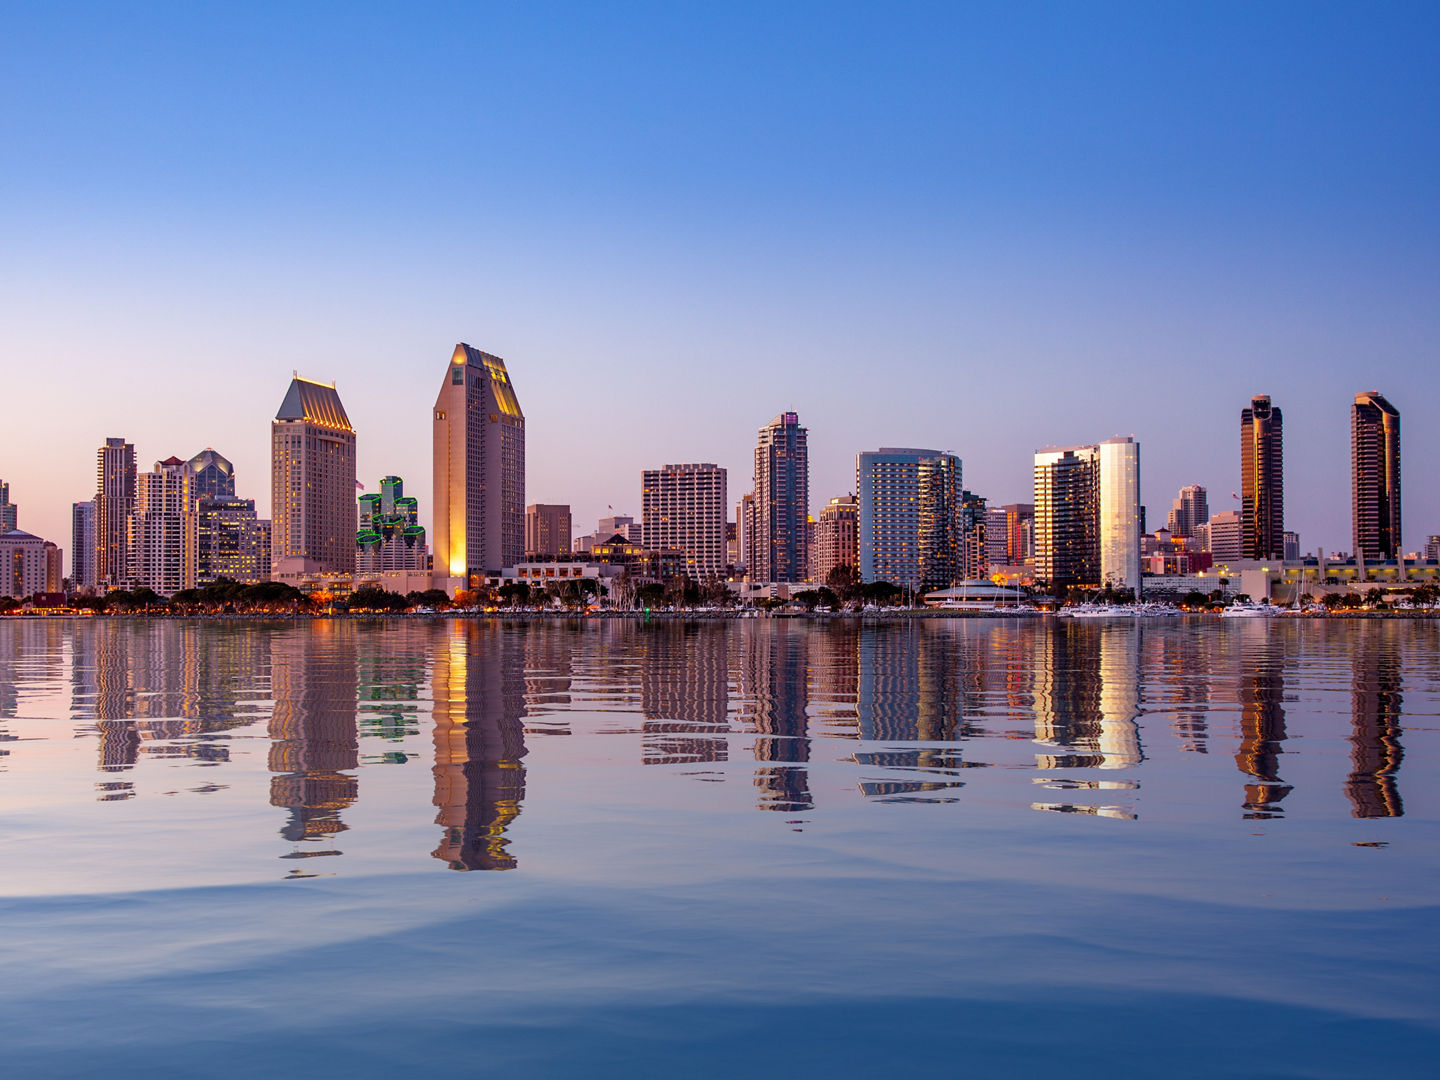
(985, 228)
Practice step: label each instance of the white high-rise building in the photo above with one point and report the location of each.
(684, 509)
(479, 455)
(1087, 515)
(161, 536)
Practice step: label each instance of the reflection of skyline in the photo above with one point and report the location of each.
(1375, 706)
(1262, 721)
(479, 695)
(684, 693)
(1087, 694)
(772, 675)
(313, 680)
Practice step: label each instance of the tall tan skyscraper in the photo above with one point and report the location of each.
(1375, 476)
(114, 500)
(479, 468)
(312, 479)
(1262, 480)
(782, 502)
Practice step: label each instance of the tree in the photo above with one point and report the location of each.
(843, 581)
(880, 592)
(651, 594)
(431, 598)
(369, 598)
(514, 593)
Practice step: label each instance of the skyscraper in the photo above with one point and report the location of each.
(213, 475)
(1190, 509)
(837, 537)
(974, 535)
(782, 501)
(312, 478)
(390, 536)
(1262, 480)
(114, 500)
(1087, 515)
(231, 542)
(9, 513)
(1375, 476)
(82, 544)
(479, 467)
(547, 529)
(910, 528)
(1020, 533)
(161, 537)
(684, 509)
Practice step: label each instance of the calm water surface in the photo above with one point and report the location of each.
(973, 848)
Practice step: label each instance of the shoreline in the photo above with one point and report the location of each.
(687, 616)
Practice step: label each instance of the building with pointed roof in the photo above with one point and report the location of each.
(312, 479)
(214, 475)
(479, 448)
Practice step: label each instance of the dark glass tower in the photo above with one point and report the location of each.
(1375, 476)
(1262, 480)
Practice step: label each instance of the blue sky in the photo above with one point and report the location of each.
(986, 228)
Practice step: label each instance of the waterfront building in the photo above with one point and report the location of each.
(974, 536)
(910, 532)
(684, 508)
(1019, 534)
(997, 538)
(231, 542)
(54, 568)
(9, 512)
(312, 479)
(1190, 509)
(161, 536)
(1087, 515)
(1375, 476)
(1262, 479)
(782, 501)
(547, 529)
(390, 536)
(82, 545)
(479, 456)
(22, 564)
(837, 537)
(1225, 536)
(213, 476)
(114, 501)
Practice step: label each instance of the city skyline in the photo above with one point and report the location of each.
(1082, 281)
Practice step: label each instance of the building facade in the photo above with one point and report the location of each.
(1262, 479)
(910, 530)
(390, 536)
(1224, 536)
(547, 529)
(1087, 515)
(312, 479)
(782, 501)
(54, 568)
(162, 534)
(213, 477)
(231, 542)
(9, 513)
(22, 565)
(974, 536)
(837, 538)
(114, 501)
(82, 544)
(684, 509)
(479, 459)
(1190, 510)
(1375, 476)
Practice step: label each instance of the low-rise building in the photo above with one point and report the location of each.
(22, 564)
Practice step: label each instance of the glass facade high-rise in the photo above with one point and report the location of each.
(782, 501)
(911, 532)
(479, 458)
(312, 479)
(390, 535)
(82, 544)
(114, 501)
(1087, 515)
(9, 514)
(1375, 476)
(1262, 480)
(231, 542)
(1189, 511)
(213, 476)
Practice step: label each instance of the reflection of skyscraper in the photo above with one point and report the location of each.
(1262, 480)
(1375, 476)
(1087, 695)
(313, 677)
(772, 669)
(685, 692)
(1375, 701)
(1262, 725)
(479, 702)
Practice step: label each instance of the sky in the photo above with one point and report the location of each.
(984, 228)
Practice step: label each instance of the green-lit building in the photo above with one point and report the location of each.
(391, 536)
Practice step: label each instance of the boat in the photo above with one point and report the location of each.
(1098, 611)
(1248, 610)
